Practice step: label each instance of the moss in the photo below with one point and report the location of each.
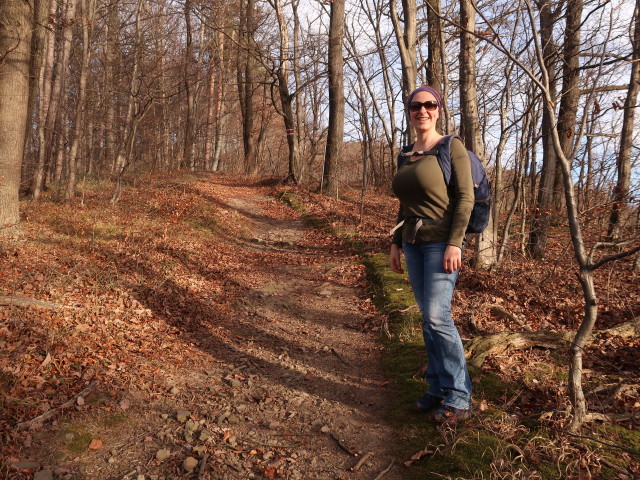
(290, 199)
(489, 385)
(79, 438)
(621, 436)
(115, 420)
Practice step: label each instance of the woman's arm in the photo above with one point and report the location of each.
(463, 188)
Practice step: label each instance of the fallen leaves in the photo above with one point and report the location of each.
(418, 455)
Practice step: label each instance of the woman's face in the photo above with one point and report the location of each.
(423, 119)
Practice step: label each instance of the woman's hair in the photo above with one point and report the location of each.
(431, 90)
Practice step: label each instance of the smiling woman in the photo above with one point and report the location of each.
(431, 222)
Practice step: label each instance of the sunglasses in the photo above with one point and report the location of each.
(429, 105)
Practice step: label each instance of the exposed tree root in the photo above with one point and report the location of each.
(480, 348)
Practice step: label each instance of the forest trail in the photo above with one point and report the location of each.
(282, 385)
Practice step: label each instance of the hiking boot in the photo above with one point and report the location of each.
(427, 403)
(451, 415)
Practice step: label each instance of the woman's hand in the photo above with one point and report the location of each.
(452, 258)
(394, 259)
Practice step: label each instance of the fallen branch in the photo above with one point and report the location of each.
(14, 301)
(333, 350)
(500, 310)
(383, 472)
(343, 446)
(47, 415)
(358, 465)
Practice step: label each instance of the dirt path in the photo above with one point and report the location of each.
(310, 353)
(282, 385)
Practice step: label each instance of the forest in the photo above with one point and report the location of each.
(136, 135)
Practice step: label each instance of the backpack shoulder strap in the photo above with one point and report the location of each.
(401, 157)
(444, 157)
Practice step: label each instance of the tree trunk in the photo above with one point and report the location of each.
(38, 47)
(407, 41)
(187, 158)
(44, 83)
(470, 118)
(111, 40)
(621, 191)
(16, 27)
(286, 99)
(543, 212)
(335, 131)
(435, 59)
(246, 83)
(88, 7)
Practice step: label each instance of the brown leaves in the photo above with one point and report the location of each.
(418, 455)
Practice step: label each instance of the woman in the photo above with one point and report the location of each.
(435, 218)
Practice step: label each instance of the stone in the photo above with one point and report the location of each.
(191, 426)
(235, 383)
(162, 455)
(43, 475)
(190, 464)
(183, 415)
(174, 391)
(26, 465)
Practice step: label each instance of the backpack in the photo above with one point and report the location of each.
(481, 188)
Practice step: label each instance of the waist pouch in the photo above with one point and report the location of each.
(415, 223)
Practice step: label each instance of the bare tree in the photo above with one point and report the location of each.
(333, 151)
(16, 26)
(549, 12)
(88, 11)
(282, 73)
(407, 39)
(621, 191)
(470, 119)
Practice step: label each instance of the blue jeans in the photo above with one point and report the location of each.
(447, 374)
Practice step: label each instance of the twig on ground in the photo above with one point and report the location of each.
(358, 465)
(47, 415)
(384, 472)
(203, 465)
(333, 350)
(343, 446)
(499, 309)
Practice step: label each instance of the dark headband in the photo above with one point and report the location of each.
(431, 90)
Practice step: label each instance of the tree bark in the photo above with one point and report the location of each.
(470, 119)
(88, 7)
(44, 102)
(16, 27)
(621, 190)
(38, 46)
(188, 145)
(407, 41)
(286, 98)
(335, 131)
(543, 211)
(246, 83)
